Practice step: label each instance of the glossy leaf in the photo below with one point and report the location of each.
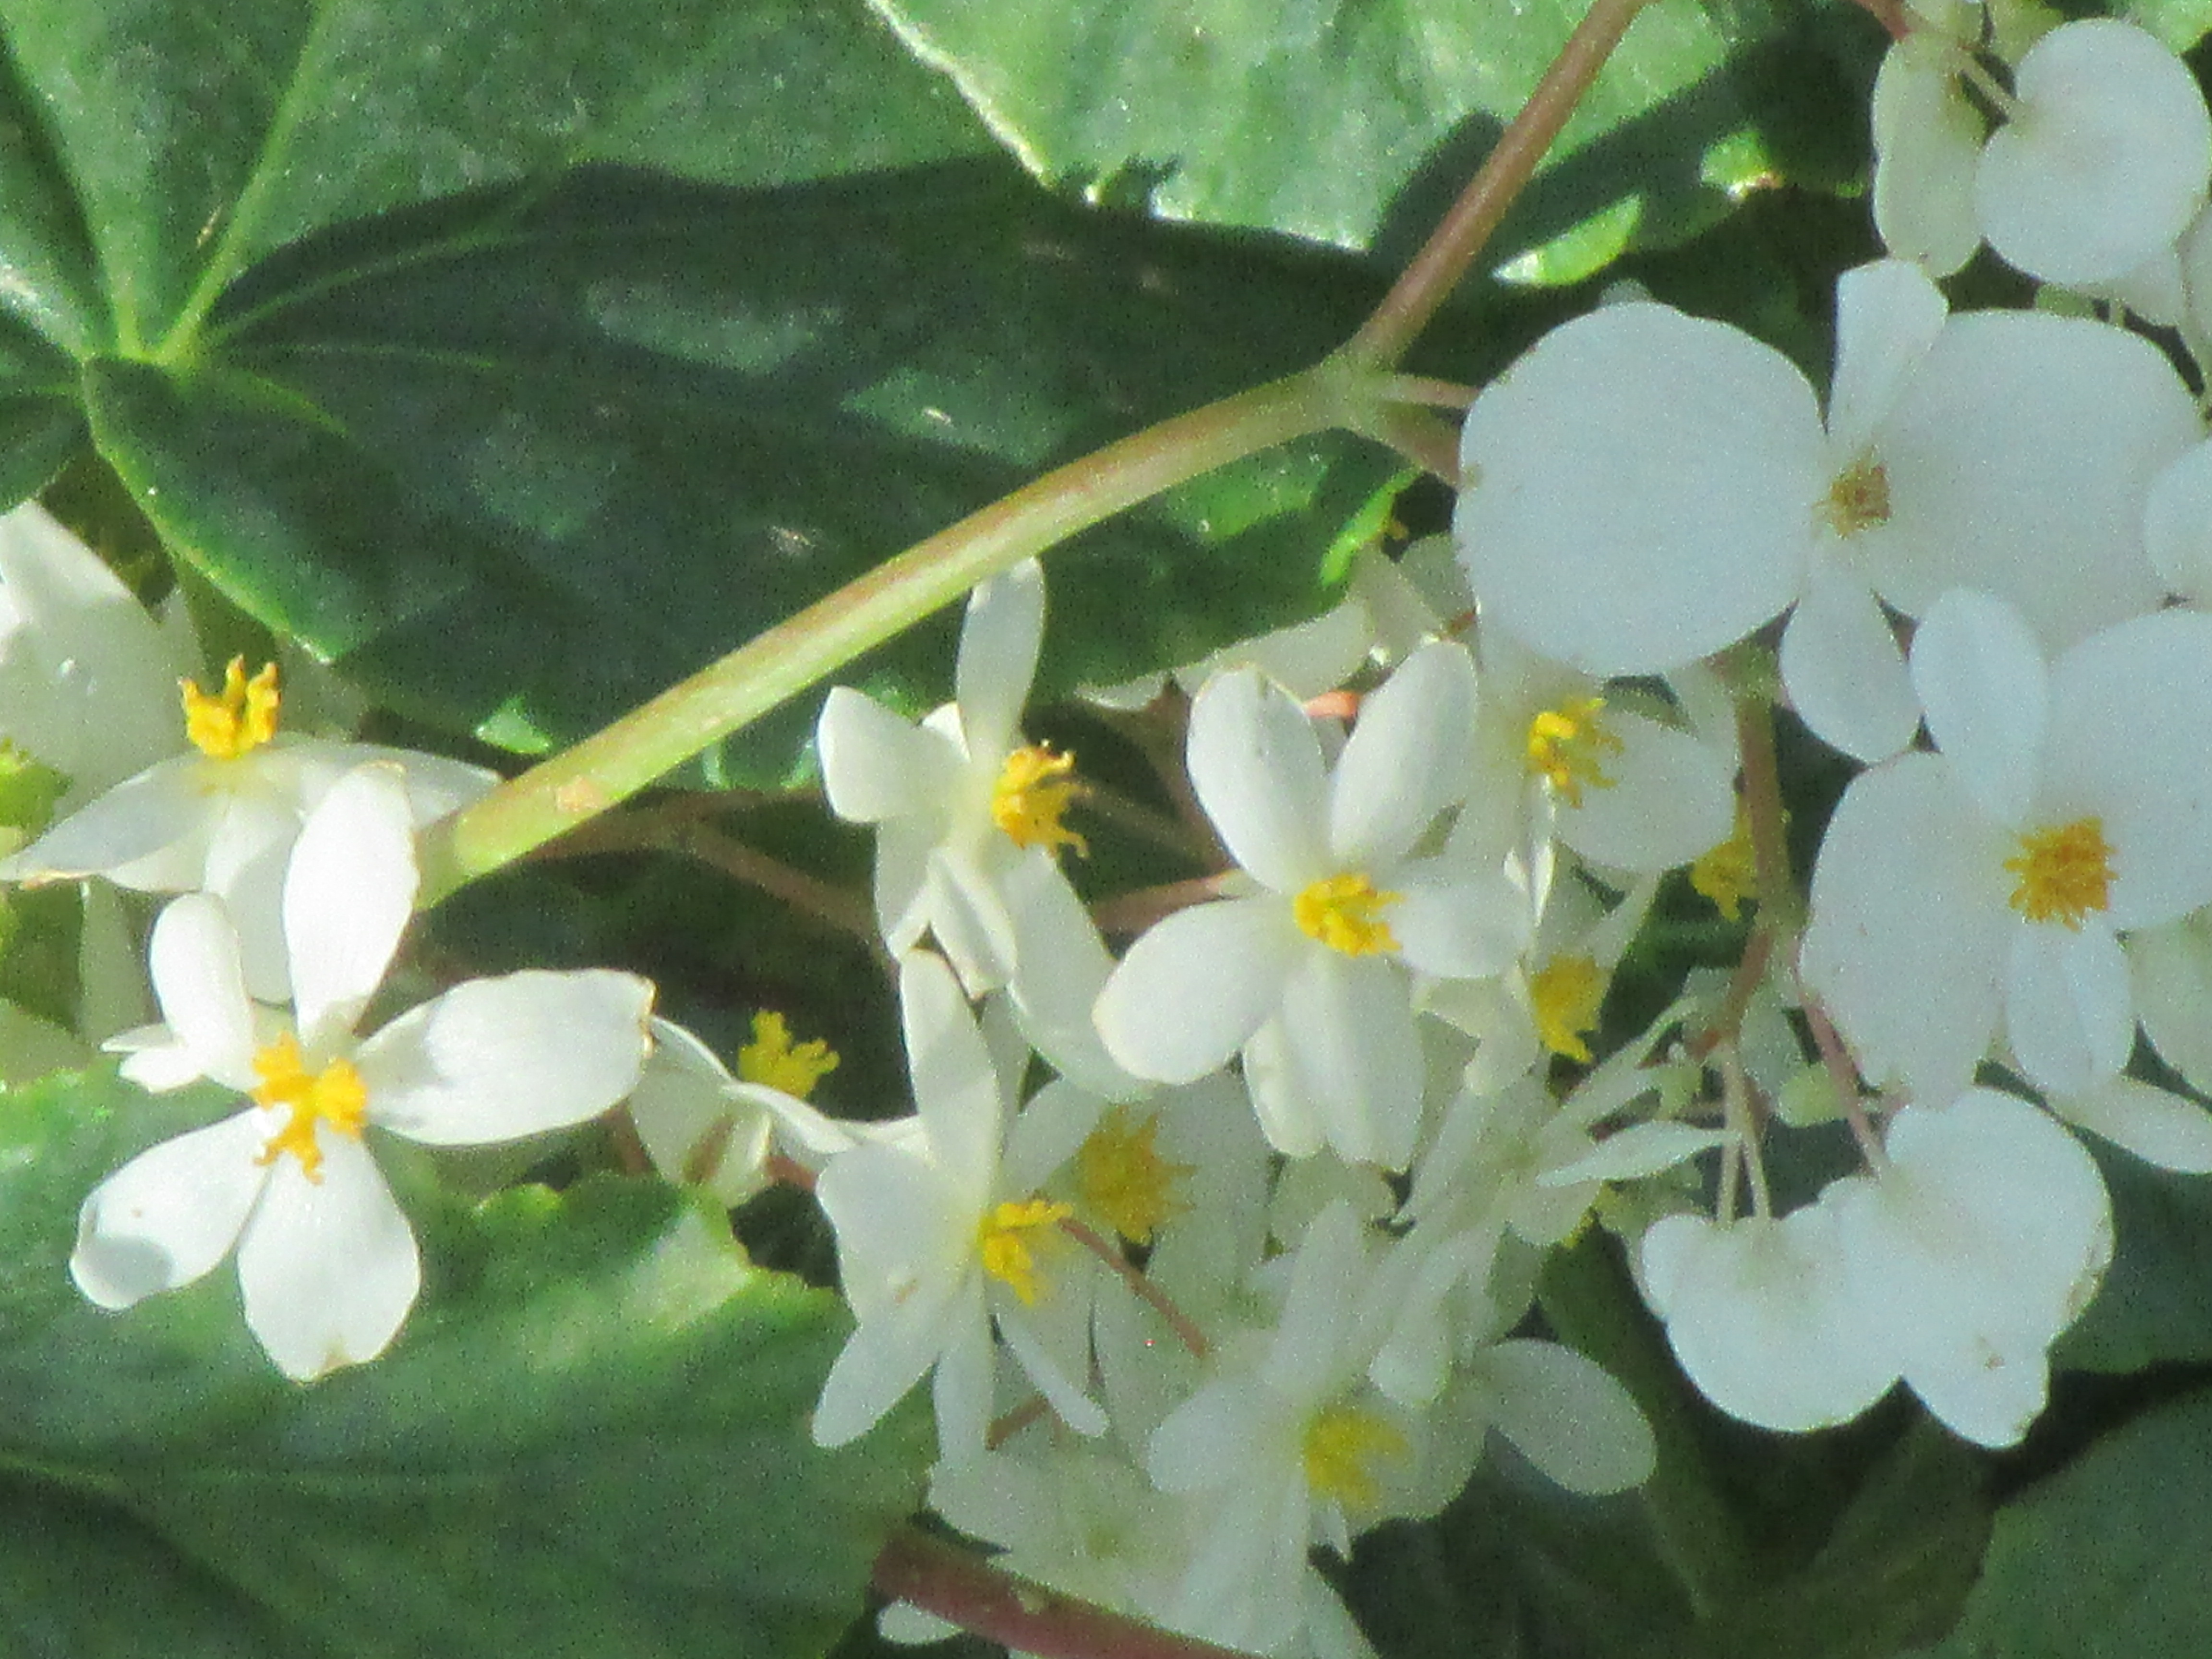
(2105, 1559)
(590, 1433)
(518, 467)
(197, 140)
(1354, 125)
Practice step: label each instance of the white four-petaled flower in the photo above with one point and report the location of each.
(327, 1261)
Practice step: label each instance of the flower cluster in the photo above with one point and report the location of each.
(1252, 1271)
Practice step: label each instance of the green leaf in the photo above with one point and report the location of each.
(2156, 1303)
(590, 1436)
(2105, 1559)
(1354, 125)
(519, 466)
(198, 138)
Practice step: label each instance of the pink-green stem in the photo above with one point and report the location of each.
(948, 1581)
(777, 664)
(1427, 282)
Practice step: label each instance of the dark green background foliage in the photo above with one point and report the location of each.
(523, 356)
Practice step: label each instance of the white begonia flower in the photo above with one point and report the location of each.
(1625, 789)
(1309, 973)
(326, 1262)
(703, 1128)
(1992, 880)
(222, 818)
(1289, 1445)
(960, 803)
(86, 673)
(940, 1233)
(1981, 1238)
(1646, 488)
(2104, 159)
(1761, 1318)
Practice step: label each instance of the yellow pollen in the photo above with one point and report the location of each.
(1121, 1176)
(335, 1096)
(1032, 790)
(1343, 1444)
(1857, 500)
(1567, 744)
(1345, 913)
(1567, 993)
(1728, 874)
(2064, 871)
(240, 719)
(773, 1061)
(1009, 1239)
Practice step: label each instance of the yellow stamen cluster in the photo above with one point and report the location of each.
(1343, 1444)
(2065, 872)
(1010, 1239)
(1728, 874)
(1345, 913)
(1033, 790)
(1859, 499)
(240, 719)
(1567, 993)
(1120, 1175)
(773, 1061)
(1567, 745)
(335, 1096)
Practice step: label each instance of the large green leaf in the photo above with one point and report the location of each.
(590, 1437)
(2105, 1560)
(520, 466)
(1353, 124)
(197, 138)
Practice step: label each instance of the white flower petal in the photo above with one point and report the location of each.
(1640, 1150)
(1673, 797)
(884, 1357)
(956, 1089)
(876, 766)
(1569, 1415)
(171, 1213)
(2158, 1127)
(1256, 764)
(193, 960)
(2131, 740)
(998, 642)
(349, 892)
(1403, 763)
(1457, 921)
(1928, 143)
(1352, 1055)
(328, 1269)
(2019, 455)
(1637, 490)
(1911, 920)
(152, 825)
(1841, 665)
(2107, 160)
(1979, 1244)
(2178, 524)
(2171, 969)
(495, 1059)
(1195, 987)
(1757, 1314)
(2068, 1011)
(1888, 315)
(1980, 676)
